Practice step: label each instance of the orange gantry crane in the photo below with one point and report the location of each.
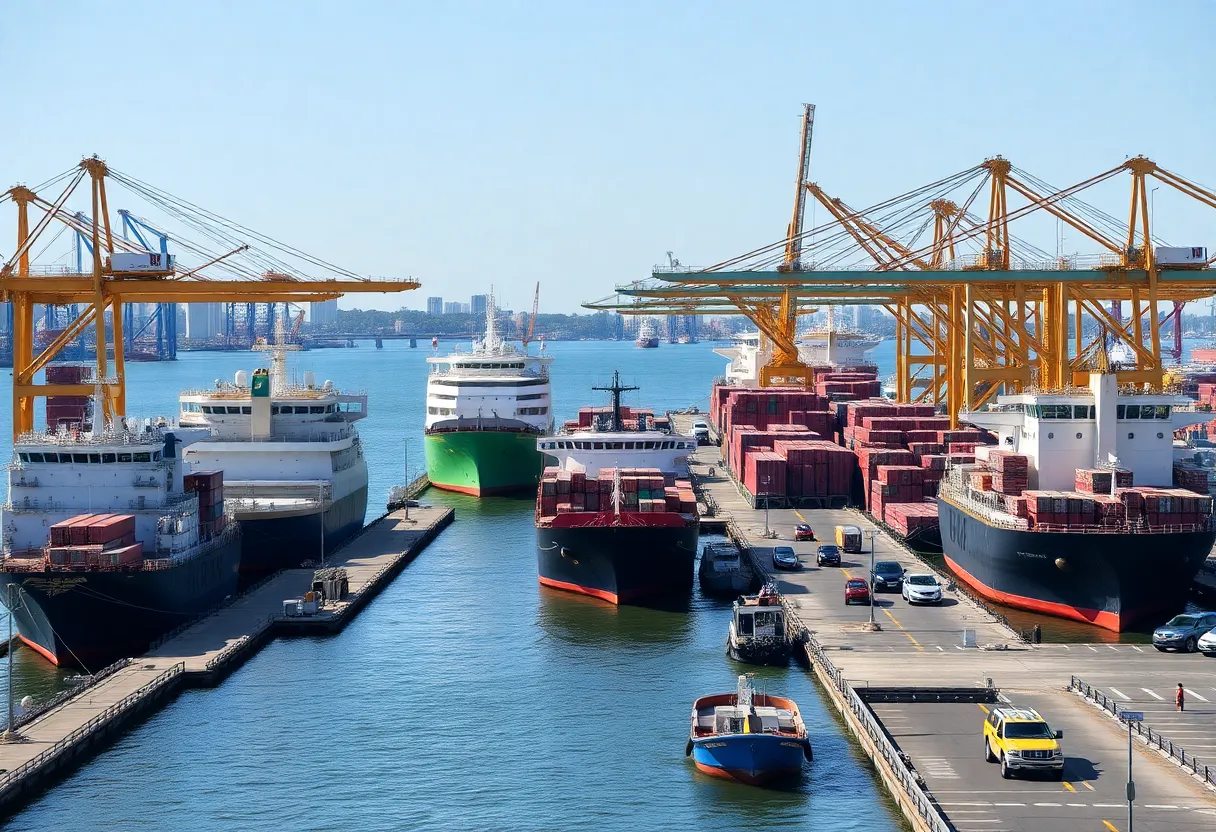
(247, 267)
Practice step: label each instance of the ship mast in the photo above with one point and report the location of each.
(616, 389)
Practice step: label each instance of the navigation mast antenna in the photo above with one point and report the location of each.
(793, 237)
(616, 390)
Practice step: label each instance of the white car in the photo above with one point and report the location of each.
(700, 432)
(922, 589)
(1207, 643)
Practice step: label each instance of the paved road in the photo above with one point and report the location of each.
(945, 743)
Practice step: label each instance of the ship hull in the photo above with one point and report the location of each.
(90, 619)
(483, 462)
(618, 564)
(756, 759)
(285, 542)
(1115, 581)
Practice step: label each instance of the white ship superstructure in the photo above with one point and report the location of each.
(816, 348)
(494, 385)
(294, 471)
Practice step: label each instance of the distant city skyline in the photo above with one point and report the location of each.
(473, 143)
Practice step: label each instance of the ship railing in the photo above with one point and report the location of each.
(95, 724)
(26, 717)
(1147, 733)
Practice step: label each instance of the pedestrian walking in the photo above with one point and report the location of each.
(1180, 699)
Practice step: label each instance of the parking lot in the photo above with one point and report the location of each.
(945, 742)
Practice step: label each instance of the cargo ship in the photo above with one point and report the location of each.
(1074, 513)
(648, 335)
(295, 474)
(484, 412)
(109, 541)
(615, 517)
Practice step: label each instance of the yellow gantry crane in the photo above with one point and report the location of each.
(1004, 317)
(253, 273)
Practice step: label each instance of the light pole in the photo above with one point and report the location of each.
(764, 482)
(407, 479)
(1129, 717)
(873, 534)
(10, 733)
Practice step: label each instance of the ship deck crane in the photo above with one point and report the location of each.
(104, 287)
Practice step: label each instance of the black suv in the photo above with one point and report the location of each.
(828, 556)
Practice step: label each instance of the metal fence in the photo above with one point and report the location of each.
(63, 696)
(97, 722)
(1151, 737)
(895, 759)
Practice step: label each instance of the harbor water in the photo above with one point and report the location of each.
(466, 696)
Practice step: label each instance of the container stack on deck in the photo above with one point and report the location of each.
(94, 541)
(632, 418)
(642, 490)
(67, 411)
(209, 485)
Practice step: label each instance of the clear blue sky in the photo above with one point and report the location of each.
(574, 142)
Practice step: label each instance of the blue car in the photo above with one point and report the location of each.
(887, 575)
(1182, 632)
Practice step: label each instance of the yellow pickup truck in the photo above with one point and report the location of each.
(1020, 740)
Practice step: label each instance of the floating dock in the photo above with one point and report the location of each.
(204, 653)
(914, 692)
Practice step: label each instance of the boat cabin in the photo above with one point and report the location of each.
(754, 621)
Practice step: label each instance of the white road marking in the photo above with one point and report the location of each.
(1110, 805)
(1158, 806)
(1066, 647)
(1047, 804)
(1008, 804)
(1150, 693)
(1137, 649)
(1113, 647)
(1095, 649)
(1120, 694)
(1190, 692)
(940, 648)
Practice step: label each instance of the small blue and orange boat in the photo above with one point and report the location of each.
(746, 736)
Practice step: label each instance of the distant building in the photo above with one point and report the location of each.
(204, 321)
(434, 306)
(466, 308)
(323, 314)
(478, 304)
(398, 326)
(452, 307)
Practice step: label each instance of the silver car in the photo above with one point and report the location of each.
(1182, 632)
(1207, 643)
(922, 589)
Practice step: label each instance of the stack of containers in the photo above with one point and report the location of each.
(815, 468)
(744, 439)
(895, 484)
(1094, 481)
(764, 474)
(66, 410)
(95, 541)
(645, 490)
(209, 486)
(1010, 471)
(861, 383)
(910, 518)
(1191, 477)
(870, 459)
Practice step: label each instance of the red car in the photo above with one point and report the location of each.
(803, 531)
(856, 590)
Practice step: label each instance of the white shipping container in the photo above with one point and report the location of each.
(1177, 256)
(123, 262)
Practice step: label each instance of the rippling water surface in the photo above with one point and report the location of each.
(466, 696)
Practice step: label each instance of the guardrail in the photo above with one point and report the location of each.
(42, 707)
(220, 658)
(92, 725)
(1151, 737)
(897, 762)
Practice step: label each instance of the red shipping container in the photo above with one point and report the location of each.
(111, 527)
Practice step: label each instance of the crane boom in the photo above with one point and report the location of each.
(793, 237)
(527, 337)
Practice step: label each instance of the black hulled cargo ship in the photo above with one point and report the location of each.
(106, 548)
(1101, 535)
(614, 518)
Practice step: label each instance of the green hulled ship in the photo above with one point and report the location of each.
(483, 461)
(484, 411)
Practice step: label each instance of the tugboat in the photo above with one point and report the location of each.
(757, 632)
(750, 737)
(722, 572)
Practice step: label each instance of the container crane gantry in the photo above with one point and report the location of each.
(106, 287)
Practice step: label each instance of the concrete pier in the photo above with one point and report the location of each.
(925, 739)
(206, 652)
